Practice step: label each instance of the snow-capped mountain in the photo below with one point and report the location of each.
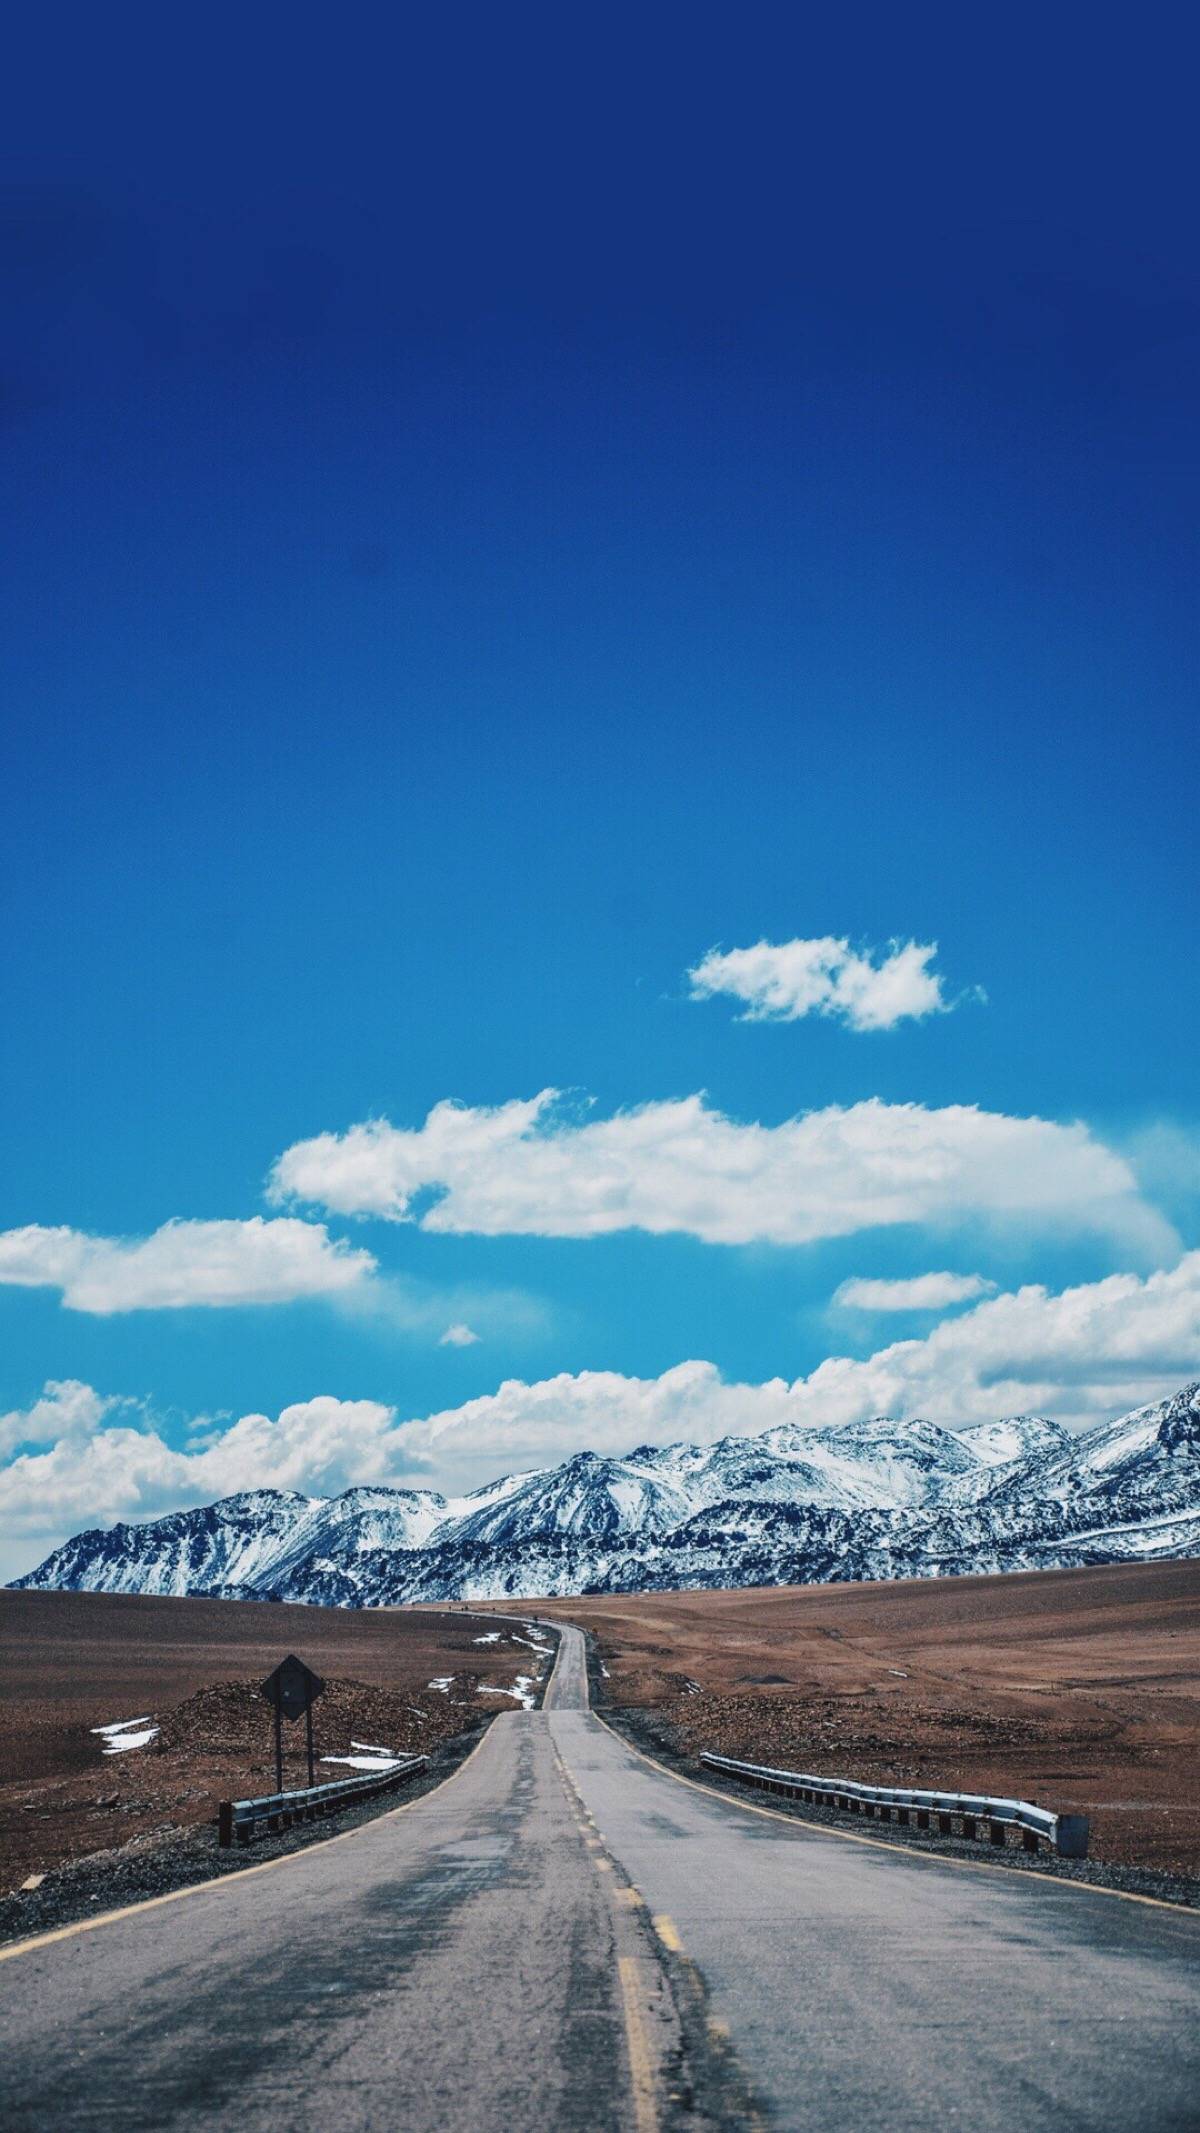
(878, 1499)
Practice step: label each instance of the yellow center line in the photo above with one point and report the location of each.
(641, 2062)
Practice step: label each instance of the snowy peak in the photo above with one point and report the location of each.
(256, 1506)
(1141, 1443)
(587, 1494)
(1015, 1437)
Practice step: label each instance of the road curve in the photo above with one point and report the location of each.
(478, 1961)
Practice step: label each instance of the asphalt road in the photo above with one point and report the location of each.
(548, 1938)
(867, 1986)
(463, 1963)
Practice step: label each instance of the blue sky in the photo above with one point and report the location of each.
(498, 517)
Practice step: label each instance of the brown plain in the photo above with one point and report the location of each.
(1079, 1689)
(70, 1661)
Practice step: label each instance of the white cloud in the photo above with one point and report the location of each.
(458, 1336)
(254, 1262)
(522, 1425)
(1079, 1355)
(921, 1292)
(66, 1409)
(782, 981)
(536, 1168)
(94, 1476)
(319, 1445)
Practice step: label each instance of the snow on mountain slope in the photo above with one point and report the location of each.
(880, 1463)
(1016, 1437)
(586, 1494)
(233, 1542)
(1143, 1459)
(357, 1520)
(877, 1499)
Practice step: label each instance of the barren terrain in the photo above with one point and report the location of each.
(73, 1661)
(1079, 1689)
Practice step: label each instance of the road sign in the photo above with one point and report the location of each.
(292, 1691)
(292, 1687)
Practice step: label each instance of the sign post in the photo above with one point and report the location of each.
(292, 1690)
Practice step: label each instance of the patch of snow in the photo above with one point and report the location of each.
(442, 1682)
(127, 1733)
(523, 1690)
(377, 1761)
(493, 1637)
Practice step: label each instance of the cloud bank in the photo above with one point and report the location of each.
(782, 981)
(1079, 1355)
(184, 1263)
(537, 1167)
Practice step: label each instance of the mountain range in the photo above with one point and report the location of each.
(877, 1499)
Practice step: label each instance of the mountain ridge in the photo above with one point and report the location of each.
(794, 1505)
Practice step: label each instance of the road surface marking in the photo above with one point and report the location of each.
(880, 1844)
(635, 1987)
(224, 1881)
(668, 1932)
(641, 2062)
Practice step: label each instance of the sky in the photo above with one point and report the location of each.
(597, 841)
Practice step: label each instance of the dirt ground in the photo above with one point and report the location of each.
(1078, 1689)
(72, 1661)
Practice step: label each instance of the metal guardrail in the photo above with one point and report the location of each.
(240, 1820)
(982, 1817)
